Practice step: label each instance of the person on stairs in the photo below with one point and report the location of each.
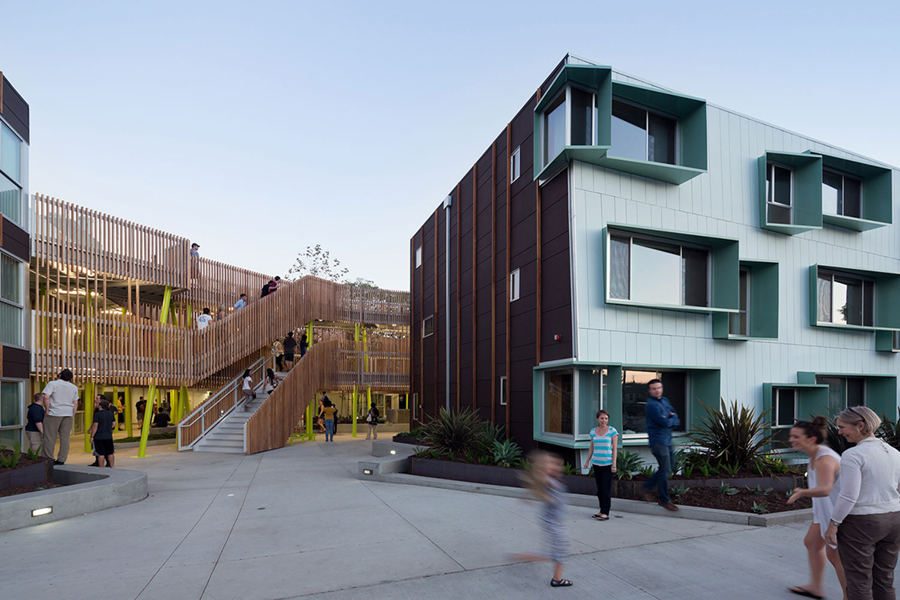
(247, 390)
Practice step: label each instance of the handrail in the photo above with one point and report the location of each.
(197, 424)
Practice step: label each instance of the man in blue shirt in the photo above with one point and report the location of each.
(241, 303)
(661, 420)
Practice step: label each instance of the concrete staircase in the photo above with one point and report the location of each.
(228, 435)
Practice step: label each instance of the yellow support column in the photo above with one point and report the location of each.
(185, 403)
(353, 409)
(148, 414)
(129, 417)
(89, 388)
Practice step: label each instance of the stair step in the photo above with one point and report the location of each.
(225, 436)
(228, 450)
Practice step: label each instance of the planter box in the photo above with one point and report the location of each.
(581, 484)
(35, 474)
(405, 439)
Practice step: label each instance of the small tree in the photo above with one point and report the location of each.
(317, 262)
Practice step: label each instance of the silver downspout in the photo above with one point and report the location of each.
(448, 202)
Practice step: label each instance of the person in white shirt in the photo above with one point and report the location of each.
(247, 389)
(204, 319)
(241, 303)
(62, 402)
(866, 517)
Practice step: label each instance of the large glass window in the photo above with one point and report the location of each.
(582, 118)
(635, 395)
(841, 194)
(739, 323)
(779, 194)
(10, 200)
(10, 153)
(515, 164)
(642, 135)
(10, 324)
(845, 300)
(559, 395)
(843, 392)
(10, 405)
(555, 128)
(657, 271)
(9, 279)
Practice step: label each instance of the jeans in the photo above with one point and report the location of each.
(329, 430)
(665, 456)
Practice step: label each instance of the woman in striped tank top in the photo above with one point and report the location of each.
(603, 454)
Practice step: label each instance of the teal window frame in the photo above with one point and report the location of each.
(704, 388)
(887, 341)
(763, 306)
(724, 268)
(691, 129)
(887, 290)
(881, 391)
(877, 193)
(809, 396)
(806, 198)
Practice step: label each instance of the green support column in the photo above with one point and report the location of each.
(185, 403)
(129, 416)
(369, 394)
(148, 413)
(89, 388)
(355, 405)
(353, 409)
(116, 402)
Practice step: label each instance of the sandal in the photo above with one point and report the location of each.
(560, 583)
(802, 591)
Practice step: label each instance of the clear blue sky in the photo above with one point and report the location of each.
(258, 128)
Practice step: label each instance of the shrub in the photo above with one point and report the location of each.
(454, 433)
(647, 471)
(889, 432)
(761, 508)
(727, 490)
(677, 491)
(836, 441)
(506, 453)
(627, 464)
(732, 434)
(34, 453)
(9, 460)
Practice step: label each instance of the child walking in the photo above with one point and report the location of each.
(545, 482)
(602, 454)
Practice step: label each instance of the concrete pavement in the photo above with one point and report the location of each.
(296, 522)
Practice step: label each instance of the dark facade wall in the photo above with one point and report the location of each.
(14, 109)
(15, 240)
(489, 336)
(16, 363)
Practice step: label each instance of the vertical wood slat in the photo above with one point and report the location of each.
(494, 281)
(538, 275)
(508, 270)
(474, 286)
(437, 227)
(458, 282)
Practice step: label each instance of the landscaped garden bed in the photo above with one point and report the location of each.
(19, 469)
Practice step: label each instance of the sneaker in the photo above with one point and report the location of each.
(668, 506)
(58, 462)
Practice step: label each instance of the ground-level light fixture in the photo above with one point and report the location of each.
(393, 452)
(39, 512)
(367, 471)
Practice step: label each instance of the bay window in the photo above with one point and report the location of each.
(640, 134)
(845, 299)
(657, 271)
(841, 194)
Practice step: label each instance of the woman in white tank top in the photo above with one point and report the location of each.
(823, 476)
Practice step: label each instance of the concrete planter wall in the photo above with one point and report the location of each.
(35, 474)
(579, 484)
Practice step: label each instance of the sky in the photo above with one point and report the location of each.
(258, 129)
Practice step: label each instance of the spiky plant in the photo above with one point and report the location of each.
(454, 433)
(733, 434)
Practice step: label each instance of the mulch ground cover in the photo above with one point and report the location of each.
(24, 489)
(24, 461)
(742, 501)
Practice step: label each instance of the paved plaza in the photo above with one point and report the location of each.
(296, 522)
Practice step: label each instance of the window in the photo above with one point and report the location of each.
(11, 307)
(841, 194)
(640, 134)
(559, 394)
(10, 200)
(10, 404)
(845, 300)
(10, 153)
(418, 257)
(515, 164)
(779, 194)
(584, 116)
(428, 326)
(503, 391)
(514, 286)
(895, 339)
(657, 272)
(785, 409)
(555, 128)
(635, 395)
(843, 392)
(739, 323)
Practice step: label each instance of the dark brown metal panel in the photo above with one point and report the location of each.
(556, 286)
(437, 231)
(16, 363)
(493, 282)
(15, 240)
(14, 109)
(508, 263)
(474, 285)
(458, 337)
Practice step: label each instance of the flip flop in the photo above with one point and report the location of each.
(560, 583)
(801, 591)
(598, 517)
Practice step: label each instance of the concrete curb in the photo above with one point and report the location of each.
(169, 442)
(391, 470)
(87, 490)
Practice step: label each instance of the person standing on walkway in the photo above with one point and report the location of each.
(34, 427)
(266, 288)
(278, 351)
(304, 345)
(372, 420)
(661, 420)
(102, 436)
(290, 346)
(865, 523)
(247, 389)
(62, 403)
(602, 454)
(220, 315)
(204, 319)
(195, 250)
(823, 475)
(241, 303)
(544, 479)
(272, 381)
(97, 399)
(140, 406)
(328, 411)
(273, 284)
